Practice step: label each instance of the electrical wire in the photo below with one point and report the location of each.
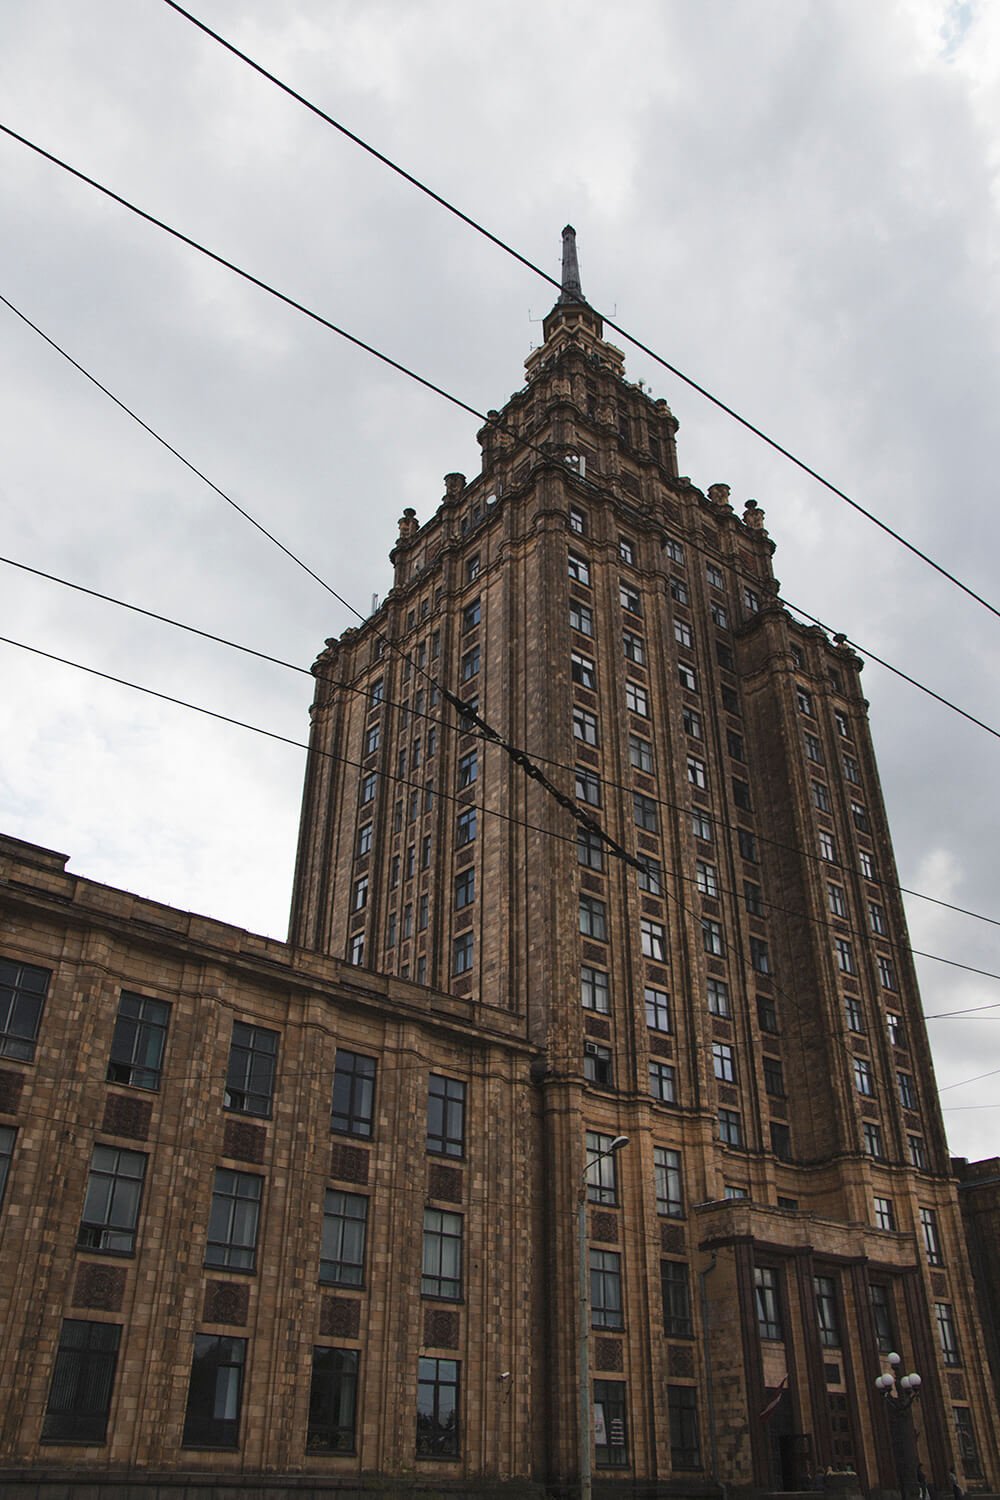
(623, 332)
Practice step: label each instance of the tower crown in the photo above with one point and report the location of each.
(571, 307)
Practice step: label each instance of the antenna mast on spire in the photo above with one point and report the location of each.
(571, 288)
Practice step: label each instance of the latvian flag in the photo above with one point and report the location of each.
(774, 1395)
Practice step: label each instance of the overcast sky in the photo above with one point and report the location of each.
(795, 204)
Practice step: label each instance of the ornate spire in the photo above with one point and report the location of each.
(571, 288)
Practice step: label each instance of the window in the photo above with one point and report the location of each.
(7, 1135)
(425, 852)
(729, 1127)
(462, 951)
(668, 1182)
(640, 754)
(701, 827)
(731, 1191)
(826, 1311)
(821, 796)
(881, 1317)
(863, 1081)
(654, 939)
(353, 1108)
(589, 849)
(215, 1392)
(836, 899)
(465, 827)
(854, 1014)
(931, 1238)
(804, 700)
(675, 1292)
(470, 664)
(827, 847)
(581, 617)
(697, 773)
(768, 1308)
(814, 750)
(718, 998)
(634, 647)
(946, 1333)
(356, 955)
(345, 1224)
(465, 889)
(714, 575)
(111, 1206)
(423, 912)
(682, 1410)
(234, 1219)
(588, 786)
(860, 816)
(602, 1175)
(333, 1396)
(876, 918)
(845, 956)
(706, 878)
(852, 771)
(734, 744)
(753, 898)
(397, 817)
(663, 1082)
(843, 723)
(966, 1435)
(83, 1376)
(866, 864)
(364, 839)
(626, 549)
(760, 957)
(442, 1257)
(774, 1081)
(719, 614)
(673, 550)
(577, 522)
(781, 1140)
(885, 1216)
(644, 811)
(636, 698)
(468, 768)
(368, 787)
(678, 590)
(907, 1090)
(372, 737)
(446, 1116)
(886, 972)
(711, 937)
(682, 633)
(597, 1064)
(582, 670)
(610, 1431)
(22, 995)
(872, 1136)
(724, 1062)
(593, 918)
(579, 569)
(657, 1009)
(394, 872)
(390, 930)
(253, 1054)
(139, 1038)
(629, 599)
(692, 721)
(724, 656)
(741, 793)
(606, 1289)
(594, 992)
(472, 567)
(895, 1026)
(752, 600)
(730, 699)
(747, 845)
(687, 678)
(438, 1409)
(415, 753)
(471, 616)
(915, 1151)
(767, 1016)
(584, 725)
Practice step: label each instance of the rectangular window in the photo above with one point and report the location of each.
(895, 1026)
(854, 1013)
(768, 1306)
(212, 1419)
(706, 878)
(610, 1430)
(866, 864)
(345, 1227)
(804, 700)
(462, 952)
(353, 1108)
(465, 889)
(364, 839)
(676, 1296)
(827, 847)
(732, 1191)
(593, 918)
(863, 1080)
(23, 989)
(602, 1172)
(724, 1062)
(678, 590)
(711, 937)
(668, 1182)
(584, 725)
(931, 1238)
(682, 1410)
(663, 1082)
(734, 744)
(730, 699)
(367, 787)
(692, 721)
(845, 956)
(472, 567)
(881, 1317)
(946, 1333)
(747, 845)
(606, 1289)
(581, 617)
(582, 670)
(821, 796)
(724, 656)
(852, 771)
(629, 599)
(650, 877)
(333, 1394)
(7, 1137)
(673, 550)
(682, 633)
(876, 918)
(966, 1436)
(579, 569)
(774, 1080)
(814, 750)
(640, 753)
(468, 769)
(916, 1152)
(753, 898)
(729, 1128)
(872, 1136)
(253, 1056)
(886, 972)
(697, 772)
(759, 956)
(767, 1016)
(634, 647)
(687, 677)
(636, 698)
(718, 998)
(657, 1009)
(111, 1206)
(139, 1039)
(470, 664)
(752, 600)
(577, 522)
(442, 1257)
(701, 827)
(719, 614)
(654, 939)
(741, 793)
(826, 1311)
(471, 615)
(594, 992)
(465, 827)
(83, 1377)
(234, 1220)
(714, 576)
(885, 1216)
(781, 1140)
(836, 899)
(588, 786)
(859, 816)
(907, 1090)
(626, 549)
(446, 1116)
(843, 724)
(644, 812)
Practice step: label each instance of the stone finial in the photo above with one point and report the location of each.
(408, 524)
(571, 288)
(719, 494)
(454, 484)
(753, 515)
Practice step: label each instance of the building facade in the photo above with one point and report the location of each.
(592, 845)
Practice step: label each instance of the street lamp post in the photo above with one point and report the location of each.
(899, 1394)
(585, 1402)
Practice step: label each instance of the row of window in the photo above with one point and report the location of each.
(874, 1146)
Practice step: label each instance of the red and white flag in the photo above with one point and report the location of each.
(775, 1394)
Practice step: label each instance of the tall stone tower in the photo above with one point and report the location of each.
(736, 996)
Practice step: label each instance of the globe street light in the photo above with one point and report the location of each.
(585, 1402)
(899, 1394)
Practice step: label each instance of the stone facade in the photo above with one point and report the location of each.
(727, 983)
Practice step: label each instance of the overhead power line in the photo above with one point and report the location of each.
(637, 343)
